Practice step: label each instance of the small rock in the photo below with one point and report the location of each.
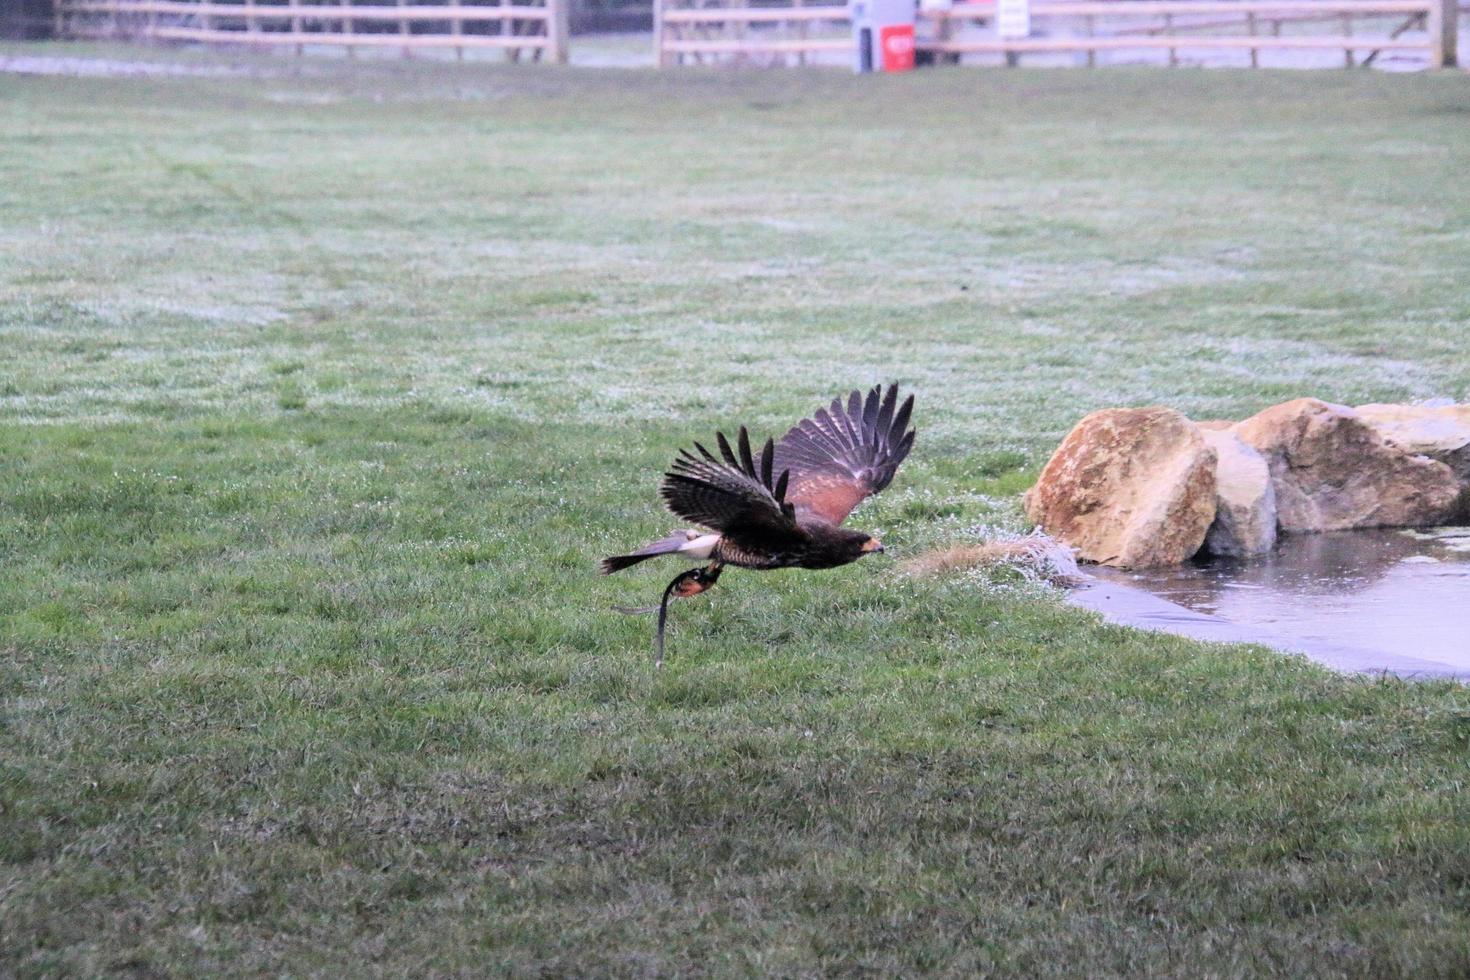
(1331, 471)
(1245, 511)
(1130, 487)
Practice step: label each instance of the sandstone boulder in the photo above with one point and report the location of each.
(1131, 487)
(1332, 470)
(1245, 502)
(1440, 432)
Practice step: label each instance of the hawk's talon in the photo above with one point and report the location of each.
(685, 584)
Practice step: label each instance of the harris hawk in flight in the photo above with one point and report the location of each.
(784, 506)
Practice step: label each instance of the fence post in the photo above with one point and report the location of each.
(558, 27)
(347, 25)
(660, 57)
(1444, 25)
(943, 32)
(801, 32)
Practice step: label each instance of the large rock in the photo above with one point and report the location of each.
(1131, 487)
(1332, 470)
(1440, 432)
(1245, 502)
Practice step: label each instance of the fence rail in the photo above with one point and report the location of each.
(1144, 8)
(320, 11)
(539, 30)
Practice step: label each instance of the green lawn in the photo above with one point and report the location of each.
(320, 395)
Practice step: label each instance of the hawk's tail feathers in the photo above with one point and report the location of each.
(686, 541)
(617, 563)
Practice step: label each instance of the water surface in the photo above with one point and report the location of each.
(1402, 596)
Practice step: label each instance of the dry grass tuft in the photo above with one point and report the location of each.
(1035, 555)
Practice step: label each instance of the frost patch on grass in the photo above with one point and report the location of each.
(234, 313)
(111, 68)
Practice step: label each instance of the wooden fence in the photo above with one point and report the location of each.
(783, 30)
(764, 34)
(537, 29)
(1423, 26)
(788, 31)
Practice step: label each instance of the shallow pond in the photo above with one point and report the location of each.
(1396, 600)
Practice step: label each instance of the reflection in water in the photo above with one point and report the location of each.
(1400, 591)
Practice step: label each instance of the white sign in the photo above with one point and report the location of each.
(1013, 18)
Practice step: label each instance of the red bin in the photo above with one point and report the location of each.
(897, 44)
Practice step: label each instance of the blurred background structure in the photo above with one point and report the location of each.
(26, 20)
(1395, 34)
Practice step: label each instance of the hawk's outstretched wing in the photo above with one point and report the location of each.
(735, 496)
(844, 454)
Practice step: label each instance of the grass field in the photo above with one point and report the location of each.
(321, 393)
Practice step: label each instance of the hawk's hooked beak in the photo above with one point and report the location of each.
(873, 545)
